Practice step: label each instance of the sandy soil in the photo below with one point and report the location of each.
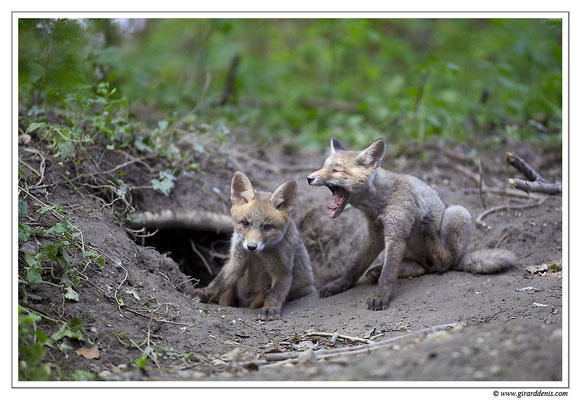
(501, 327)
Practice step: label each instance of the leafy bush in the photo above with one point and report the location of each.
(354, 78)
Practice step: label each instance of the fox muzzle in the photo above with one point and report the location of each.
(314, 180)
(253, 247)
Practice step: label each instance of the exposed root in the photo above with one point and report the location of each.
(206, 221)
(505, 192)
(479, 219)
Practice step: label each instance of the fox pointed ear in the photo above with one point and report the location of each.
(372, 156)
(241, 189)
(285, 196)
(336, 145)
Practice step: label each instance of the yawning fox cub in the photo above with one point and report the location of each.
(268, 263)
(405, 216)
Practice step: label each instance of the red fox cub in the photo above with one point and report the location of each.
(405, 216)
(268, 263)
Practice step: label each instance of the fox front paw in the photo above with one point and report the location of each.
(378, 303)
(269, 313)
(201, 294)
(333, 288)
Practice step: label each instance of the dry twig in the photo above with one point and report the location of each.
(363, 348)
(480, 183)
(536, 186)
(520, 164)
(350, 338)
(201, 256)
(536, 182)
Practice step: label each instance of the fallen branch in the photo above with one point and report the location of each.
(479, 219)
(536, 183)
(536, 186)
(206, 221)
(520, 164)
(350, 338)
(363, 348)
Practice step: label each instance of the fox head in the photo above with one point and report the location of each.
(260, 219)
(348, 174)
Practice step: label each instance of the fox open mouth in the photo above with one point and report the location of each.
(339, 202)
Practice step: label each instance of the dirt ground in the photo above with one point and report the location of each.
(449, 327)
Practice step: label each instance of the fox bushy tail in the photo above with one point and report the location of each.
(487, 261)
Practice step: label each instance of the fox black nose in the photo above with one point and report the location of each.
(251, 246)
(310, 179)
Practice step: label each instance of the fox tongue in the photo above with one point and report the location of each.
(338, 200)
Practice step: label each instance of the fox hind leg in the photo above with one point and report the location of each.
(407, 269)
(454, 238)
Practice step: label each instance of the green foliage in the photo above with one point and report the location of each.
(352, 78)
(81, 375)
(52, 265)
(31, 348)
(33, 343)
(400, 78)
(165, 185)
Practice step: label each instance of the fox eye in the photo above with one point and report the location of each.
(267, 227)
(335, 170)
(245, 224)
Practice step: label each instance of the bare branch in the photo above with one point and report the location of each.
(523, 167)
(350, 338)
(536, 186)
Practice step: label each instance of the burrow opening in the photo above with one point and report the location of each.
(204, 262)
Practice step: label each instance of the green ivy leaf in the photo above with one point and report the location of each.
(162, 125)
(141, 362)
(166, 184)
(24, 232)
(46, 209)
(33, 276)
(71, 294)
(80, 375)
(66, 148)
(32, 353)
(34, 126)
(22, 208)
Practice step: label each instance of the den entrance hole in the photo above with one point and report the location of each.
(204, 262)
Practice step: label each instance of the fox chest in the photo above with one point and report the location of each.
(254, 280)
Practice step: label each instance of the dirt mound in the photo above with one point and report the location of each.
(133, 306)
